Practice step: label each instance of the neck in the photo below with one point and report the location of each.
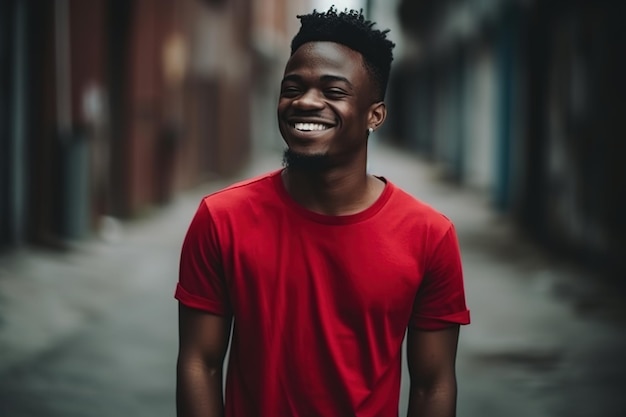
(334, 191)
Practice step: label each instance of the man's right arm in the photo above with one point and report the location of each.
(203, 341)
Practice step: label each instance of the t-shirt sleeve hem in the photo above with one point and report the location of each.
(199, 303)
(442, 322)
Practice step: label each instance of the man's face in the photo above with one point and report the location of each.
(325, 99)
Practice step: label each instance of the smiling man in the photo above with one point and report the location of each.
(320, 268)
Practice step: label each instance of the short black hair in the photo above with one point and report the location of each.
(350, 28)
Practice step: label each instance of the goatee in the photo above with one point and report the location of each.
(305, 162)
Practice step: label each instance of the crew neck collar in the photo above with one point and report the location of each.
(328, 219)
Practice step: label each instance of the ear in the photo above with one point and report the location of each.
(376, 115)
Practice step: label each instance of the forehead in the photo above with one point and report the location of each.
(326, 58)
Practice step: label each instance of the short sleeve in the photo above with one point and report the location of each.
(201, 282)
(440, 300)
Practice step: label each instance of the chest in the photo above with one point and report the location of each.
(347, 273)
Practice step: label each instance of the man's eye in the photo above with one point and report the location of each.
(290, 91)
(335, 93)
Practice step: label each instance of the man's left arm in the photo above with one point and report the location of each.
(431, 356)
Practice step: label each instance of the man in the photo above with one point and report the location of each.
(320, 266)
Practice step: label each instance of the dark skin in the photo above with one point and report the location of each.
(327, 104)
(431, 356)
(327, 83)
(203, 341)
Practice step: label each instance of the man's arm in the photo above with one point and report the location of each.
(431, 357)
(203, 341)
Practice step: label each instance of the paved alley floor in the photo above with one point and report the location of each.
(93, 331)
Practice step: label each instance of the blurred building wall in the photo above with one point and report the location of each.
(111, 107)
(521, 101)
(8, 32)
(275, 23)
(27, 151)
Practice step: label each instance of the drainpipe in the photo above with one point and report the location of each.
(74, 211)
(63, 75)
(17, 173)
(507, 50)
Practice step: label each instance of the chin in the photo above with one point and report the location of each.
(306, 160)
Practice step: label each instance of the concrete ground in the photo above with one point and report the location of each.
(93, 332)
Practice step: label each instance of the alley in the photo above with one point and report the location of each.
(92, 331)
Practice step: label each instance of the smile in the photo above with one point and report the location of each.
(310, 127)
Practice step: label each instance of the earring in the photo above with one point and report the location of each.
(370, 130)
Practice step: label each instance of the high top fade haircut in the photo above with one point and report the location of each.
(350, 28)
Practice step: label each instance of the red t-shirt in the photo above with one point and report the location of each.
(320, 303)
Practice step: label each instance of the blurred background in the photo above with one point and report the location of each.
(108, 107)
(116, 116)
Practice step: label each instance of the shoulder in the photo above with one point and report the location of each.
(417, 212)
(242, 193)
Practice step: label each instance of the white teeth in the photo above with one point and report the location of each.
(307, 127)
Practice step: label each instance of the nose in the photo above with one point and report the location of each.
(310, 100)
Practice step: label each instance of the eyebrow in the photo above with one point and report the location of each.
(324, 78)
